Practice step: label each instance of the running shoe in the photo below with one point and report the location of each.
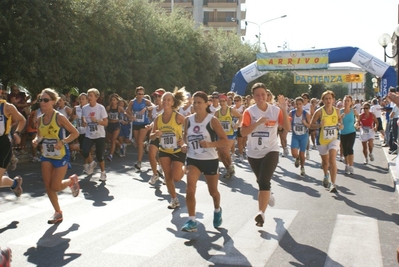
(302, 171)
(35, 159)
(13, 163)
(174, 203)
(86, 168)
(190, 226)
(133, 142)
(351, 170)
(366, 161)
(371, 157)
(137, 165)
(272, 200)
(73, 155)
(325, 180)
(18, 189)
(233, 157)
(5, 257)
(260, 220)
(333, 188)
(159, 170)
(307, 155)
(347, 169)
(297, 162)
(56, 218)
(286, 152)
(109, 158)
(314, 147)
(103, 177)
(241, 158)
(217, 219)
(153, 179)
(74, 185)
(229, 172)
(91, 167)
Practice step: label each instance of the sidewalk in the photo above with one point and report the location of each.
(392, 159)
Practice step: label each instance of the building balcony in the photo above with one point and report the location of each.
(221, 22)
(177, 3)
(220, 3)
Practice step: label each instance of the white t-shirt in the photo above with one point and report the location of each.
(376, 110)
(357, 107)
(214, 109)
(306, 107)
(93, 129)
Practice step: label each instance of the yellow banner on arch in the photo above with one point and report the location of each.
(292, 60)
(339, 78)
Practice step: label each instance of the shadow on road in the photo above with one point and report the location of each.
(96, 192)
(306, 255)
(12, 225)
(51, 248)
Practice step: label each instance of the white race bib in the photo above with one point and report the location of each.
(49, 148)
(139, 117)
(330, 132)
(168, 140)
(194, 143)
(2, 128)
(226, 125)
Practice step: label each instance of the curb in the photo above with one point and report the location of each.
(391, 165)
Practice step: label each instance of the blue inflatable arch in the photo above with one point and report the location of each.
(335, 55)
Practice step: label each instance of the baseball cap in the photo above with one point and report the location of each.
(159, 92)
(223, 97)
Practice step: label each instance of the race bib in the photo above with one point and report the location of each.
(226, 125)
(93, 128)
(168, 141)
(139, 117)
(366, 130)
(330, 132)
(194, 143)
(260, 138)
(49, 148)
(299, 129)
(113, 116)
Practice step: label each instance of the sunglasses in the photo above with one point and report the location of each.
(237, 100)
(45, 100)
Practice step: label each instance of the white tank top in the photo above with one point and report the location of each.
(197, 132)
(78, 111)
(263, 139)
(186, 112)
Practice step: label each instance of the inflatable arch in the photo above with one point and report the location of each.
(335, 55)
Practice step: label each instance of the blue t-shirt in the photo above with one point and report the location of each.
(349, 122)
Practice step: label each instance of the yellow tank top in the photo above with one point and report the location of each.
(171, 133)
(51, 134)
(329, 131)
(226, 121)
(5, 121)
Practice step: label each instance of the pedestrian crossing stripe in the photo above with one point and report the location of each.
(354, 242)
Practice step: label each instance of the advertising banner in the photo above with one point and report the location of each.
(339, 78)
(292, 60)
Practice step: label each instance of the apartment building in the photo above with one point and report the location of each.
(226, 15)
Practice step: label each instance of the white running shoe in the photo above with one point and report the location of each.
(233, 157)
(347, 171)
(159, 170)
(103, 177)
(351, 171)
(174, 203)
(241, 159)
(91, 167)
(153, 179)
(272, 200)
(302, 171)
(285, 152)
(371, 157)
(307, 155)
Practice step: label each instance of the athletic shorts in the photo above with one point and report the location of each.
(112, 127)
(323, 149)
(155, 142)
(239, 132)
(6, 151)
(207, 167)
(300, 141)
(179, 156)
(59, 162)
(81, 138)
(232, 136)
(366, 134)
(137, 127)
(125, 130)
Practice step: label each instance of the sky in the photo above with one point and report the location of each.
(322, 24)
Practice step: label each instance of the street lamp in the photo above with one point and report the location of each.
(260, 25)
(384, 40)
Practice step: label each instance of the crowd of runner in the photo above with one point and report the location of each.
(185, 134)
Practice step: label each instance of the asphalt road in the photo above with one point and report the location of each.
(125, 221)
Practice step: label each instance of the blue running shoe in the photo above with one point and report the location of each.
(217, 219)
(189, 226)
